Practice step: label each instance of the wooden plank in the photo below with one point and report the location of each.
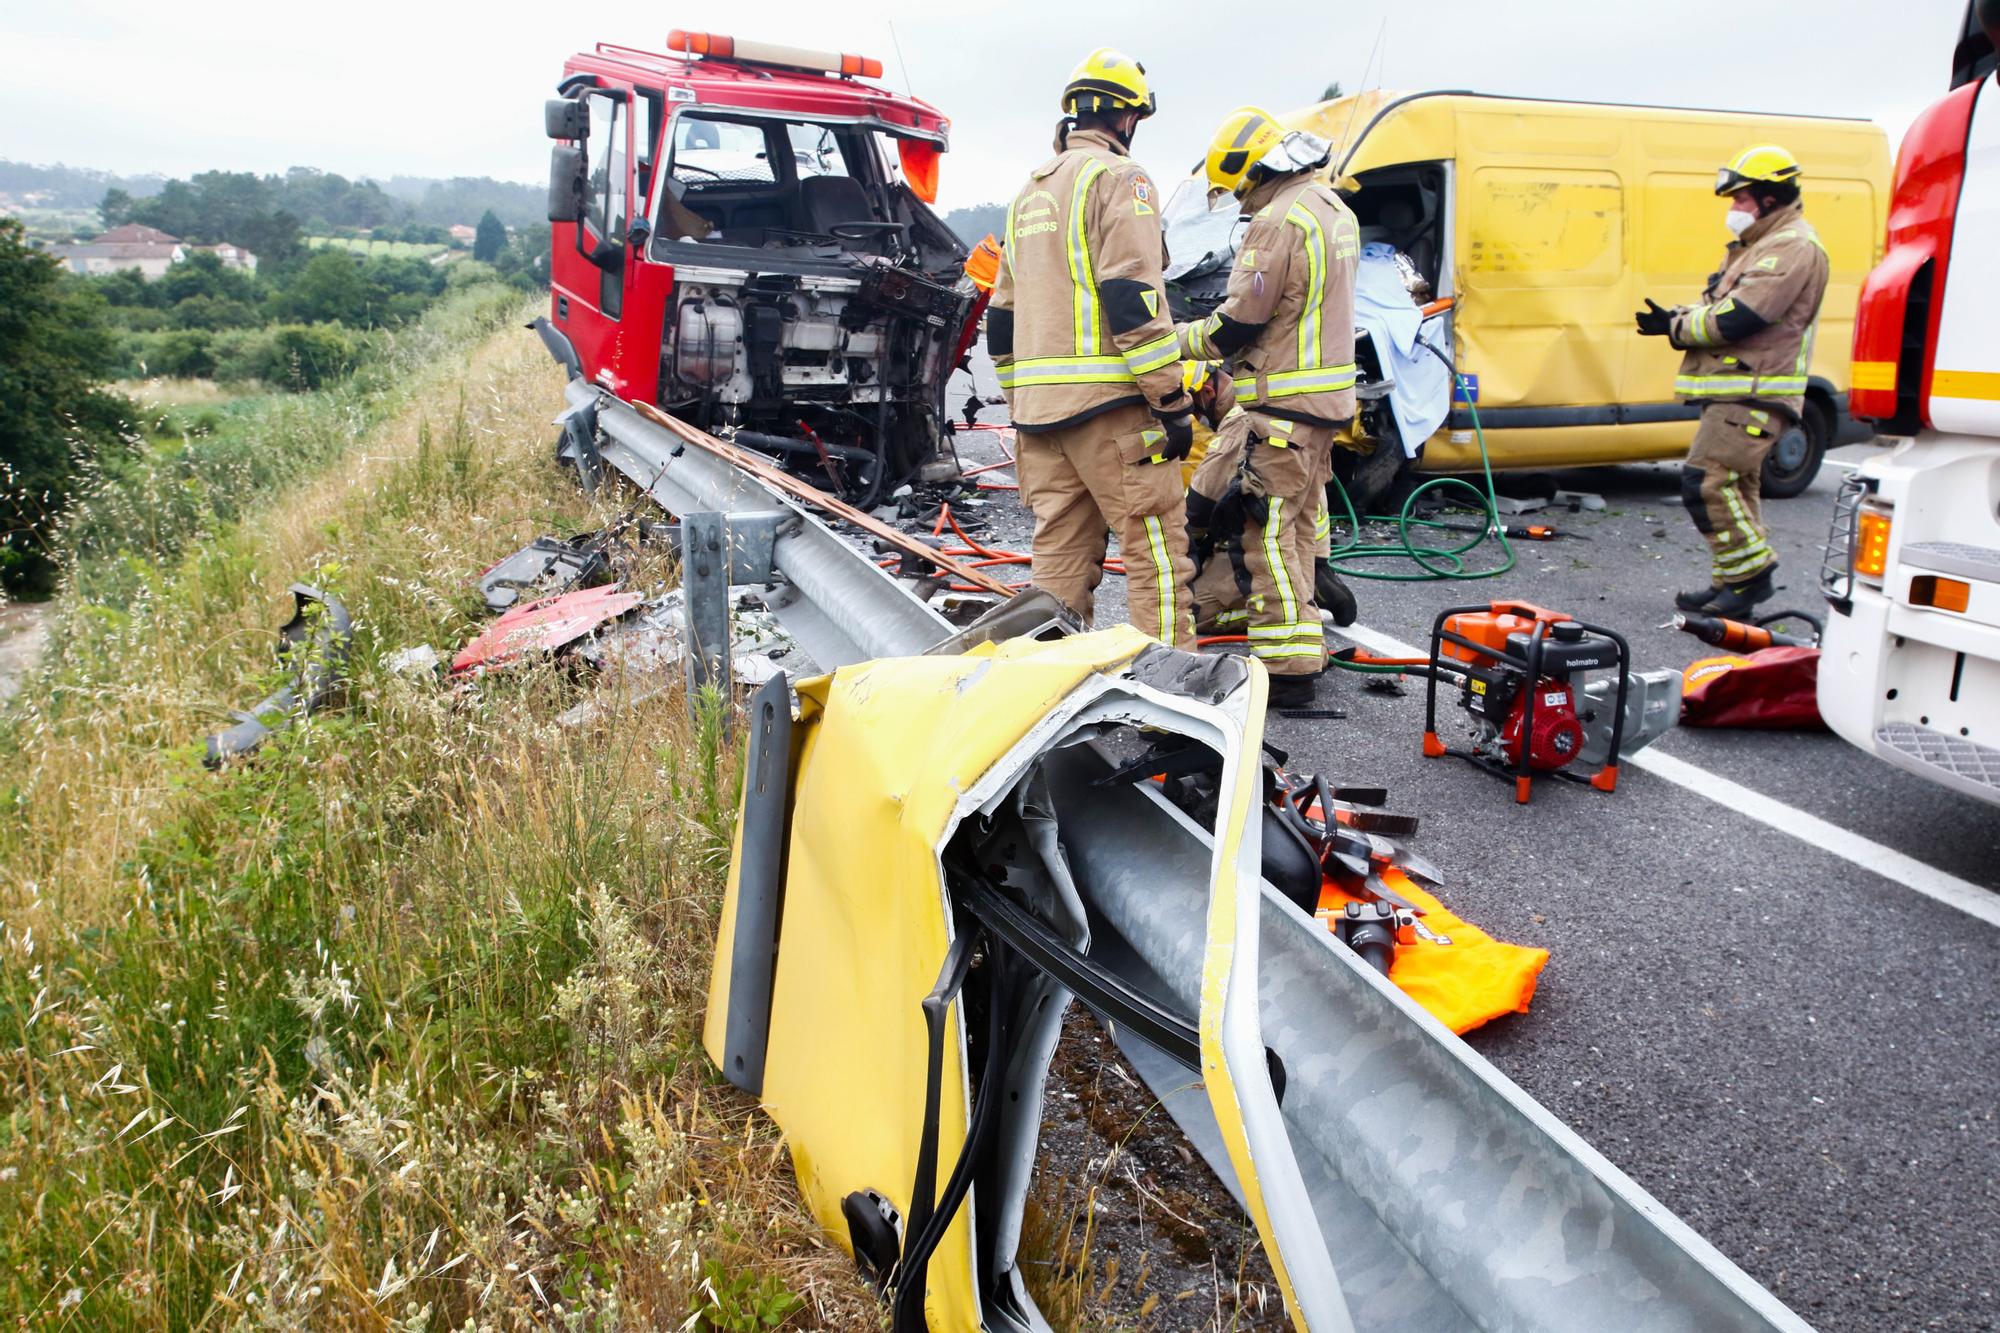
(806, 493)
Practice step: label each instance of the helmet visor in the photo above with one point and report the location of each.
(1728, 180)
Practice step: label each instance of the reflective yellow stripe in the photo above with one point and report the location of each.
(1064, 370)
(1274, 651)
(1274, 523)
(1701, 385)
(1007, 251)
(1082, 281)
(1881, 375)
(1976, 385)
(1163, 567)
(1195, 336)
(1325, 379)
(1301, 217)
(1754, 547)
(1161, 352)
(1322, 524)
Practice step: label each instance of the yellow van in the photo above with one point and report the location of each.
(1548, 223)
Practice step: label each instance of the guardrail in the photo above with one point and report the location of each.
(1450, 1198)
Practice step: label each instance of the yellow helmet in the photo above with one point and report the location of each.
(1766, 164)
(1108, 80)
(1196, 374)
(1241, 141)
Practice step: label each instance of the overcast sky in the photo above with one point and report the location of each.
(372, 88)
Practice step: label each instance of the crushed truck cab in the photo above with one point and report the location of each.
(742, 235)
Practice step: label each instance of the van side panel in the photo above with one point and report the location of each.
(1539, 232)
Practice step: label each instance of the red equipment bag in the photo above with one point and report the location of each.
(1772, 688)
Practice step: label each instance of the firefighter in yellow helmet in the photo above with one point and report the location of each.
(1286, 329)
(1749, 344)
(1088, 360)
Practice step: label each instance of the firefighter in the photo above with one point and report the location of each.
(1088, 360)
(1749, 345)
(1286, 329)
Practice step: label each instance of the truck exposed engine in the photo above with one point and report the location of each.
(1910, 667)
(732, 243)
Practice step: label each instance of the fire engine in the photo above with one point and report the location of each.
(743, 237)
(1910, 662)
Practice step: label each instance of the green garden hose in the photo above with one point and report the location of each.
(1433, 562)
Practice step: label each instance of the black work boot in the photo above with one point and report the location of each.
(1698, 601)
(1292, 691)
(1333, 595)
(1738, 600)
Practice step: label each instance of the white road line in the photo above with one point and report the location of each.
(1849, 846)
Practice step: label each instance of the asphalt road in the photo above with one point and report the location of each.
(1800, 1057)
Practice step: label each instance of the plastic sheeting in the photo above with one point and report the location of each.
(1421, 394)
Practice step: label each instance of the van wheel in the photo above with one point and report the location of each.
(1375, 481)
(1794, 460)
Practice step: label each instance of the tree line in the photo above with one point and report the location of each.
(300, 322)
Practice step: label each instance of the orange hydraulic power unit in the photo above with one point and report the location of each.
(1517, 668)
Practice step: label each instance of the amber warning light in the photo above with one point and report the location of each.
(718, 46)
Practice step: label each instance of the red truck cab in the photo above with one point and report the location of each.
(742, 235)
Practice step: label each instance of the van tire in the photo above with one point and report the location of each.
(1375, 481)
(1780, 483)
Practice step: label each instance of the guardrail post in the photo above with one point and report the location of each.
(705, 588)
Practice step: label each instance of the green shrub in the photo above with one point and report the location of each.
(175, 353)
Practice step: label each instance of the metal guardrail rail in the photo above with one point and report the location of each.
(1456, 1199)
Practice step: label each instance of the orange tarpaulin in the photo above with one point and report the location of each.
(1470, 981)
(920, 167)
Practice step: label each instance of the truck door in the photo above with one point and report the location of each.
(588, 265)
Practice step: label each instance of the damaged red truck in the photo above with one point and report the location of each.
(743, 237)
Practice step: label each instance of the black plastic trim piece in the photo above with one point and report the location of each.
(1105, 992)
(760, 885)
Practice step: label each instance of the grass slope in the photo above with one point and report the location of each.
(395, 1025)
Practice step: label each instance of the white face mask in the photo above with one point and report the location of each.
(1738, 221)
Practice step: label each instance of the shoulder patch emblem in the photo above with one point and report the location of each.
(1768, 262)
(1152, 300)
(1142, 195)
(1248, 258)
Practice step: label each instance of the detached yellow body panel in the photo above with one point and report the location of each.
(887, 759)
(1560, 218)
(865, 900)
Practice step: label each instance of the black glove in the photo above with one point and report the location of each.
(1239, 509)
(1201, 535)
(1180, 436)
(1653, 321)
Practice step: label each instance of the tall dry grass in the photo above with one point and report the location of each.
(394, 1025)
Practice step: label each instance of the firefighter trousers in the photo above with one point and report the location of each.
(1259, 581)
(1080, 481)
(1720, 487)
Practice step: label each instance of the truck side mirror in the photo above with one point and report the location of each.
(568, 186)
(565, 118)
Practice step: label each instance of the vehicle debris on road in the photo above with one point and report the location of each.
(312, 645)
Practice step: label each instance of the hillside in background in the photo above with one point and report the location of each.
(70, 187)
(972, 224)
(321, 200)
(441, 203)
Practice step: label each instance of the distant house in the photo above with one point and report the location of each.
(464, 235)
(232, 256)
(132, 246)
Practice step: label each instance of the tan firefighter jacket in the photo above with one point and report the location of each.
(1286, 324)
(1079, 322)
(1778, 271)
